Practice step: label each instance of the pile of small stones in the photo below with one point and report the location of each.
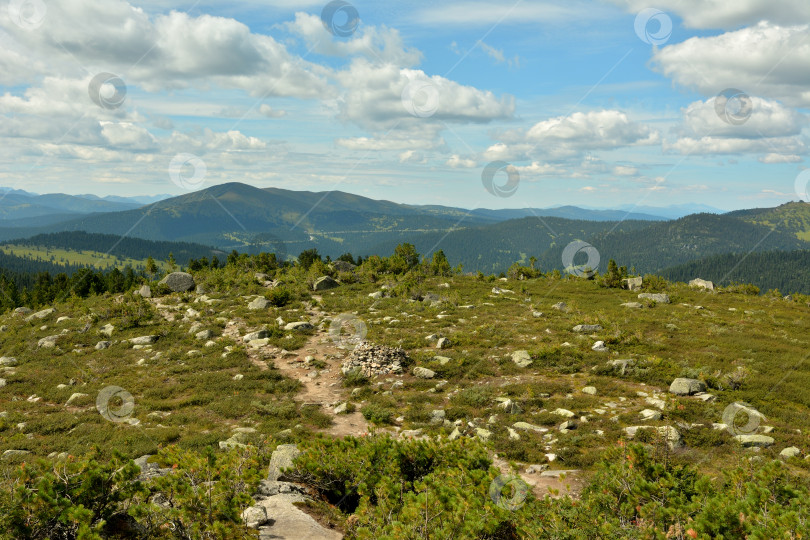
(371, 360)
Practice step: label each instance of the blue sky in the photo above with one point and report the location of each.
(589, 103)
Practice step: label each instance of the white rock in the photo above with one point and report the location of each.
(790, 451)
(74, 398)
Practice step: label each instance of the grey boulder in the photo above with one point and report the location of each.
(282, 458)
(298, 326)
(143, 340)
(521, 358)
(259, 303)
(423, 373)
(324, 283)
(179, 281)
(686, 387)
(588, 328)
(701, 284)
(753, 440)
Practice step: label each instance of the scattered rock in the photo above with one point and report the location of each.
(423, 373)
(560, 306)
(702, 284)
(324, 283)
(205, 334)
(483, 434)
(341, 408)
(658, 298)
(298, 326)
(7, 361)
(522, 358)
(259, 303)
(22, 311)
(633, 305)
(686, 387)
(106, 330)
(40, 314)
(75, 397)
(178, 281)
(15, 453)
(252, 336)
(145, 291)
(632, 284)
(143, 340)
(48, 342)
(649, 415)
(754, 440)
(255, 516)
(525, 426)
(790, 451)
(282, 458)
(589, 390)
(599, 346)
(563, 412)
(587, 328)
(443, 343)
(509, 406)
(567, 426)
(437, 416)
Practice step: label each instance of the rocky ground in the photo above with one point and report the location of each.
(547, 374)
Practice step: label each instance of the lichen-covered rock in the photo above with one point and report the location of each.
(686, 387)
(298, 326)
(143, 340)
(282, 458)
(40, 314)
(587, 328)
(423, 373)
(522, 358)
(701, 284)
(754, 440)
(259, 303)
(144, 291)
(633, 284)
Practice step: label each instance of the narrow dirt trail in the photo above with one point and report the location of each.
(320, 387)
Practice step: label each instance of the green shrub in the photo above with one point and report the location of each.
(279, 297)
(378, 414)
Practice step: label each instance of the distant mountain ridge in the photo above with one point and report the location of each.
(243, 217)
(18, 205)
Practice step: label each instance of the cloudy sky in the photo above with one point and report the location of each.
(590, 103)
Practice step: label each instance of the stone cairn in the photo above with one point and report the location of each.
(372, 360)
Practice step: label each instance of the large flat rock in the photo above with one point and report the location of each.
(288, 522)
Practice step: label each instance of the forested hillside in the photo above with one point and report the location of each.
(124, 247)
(789, 272)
